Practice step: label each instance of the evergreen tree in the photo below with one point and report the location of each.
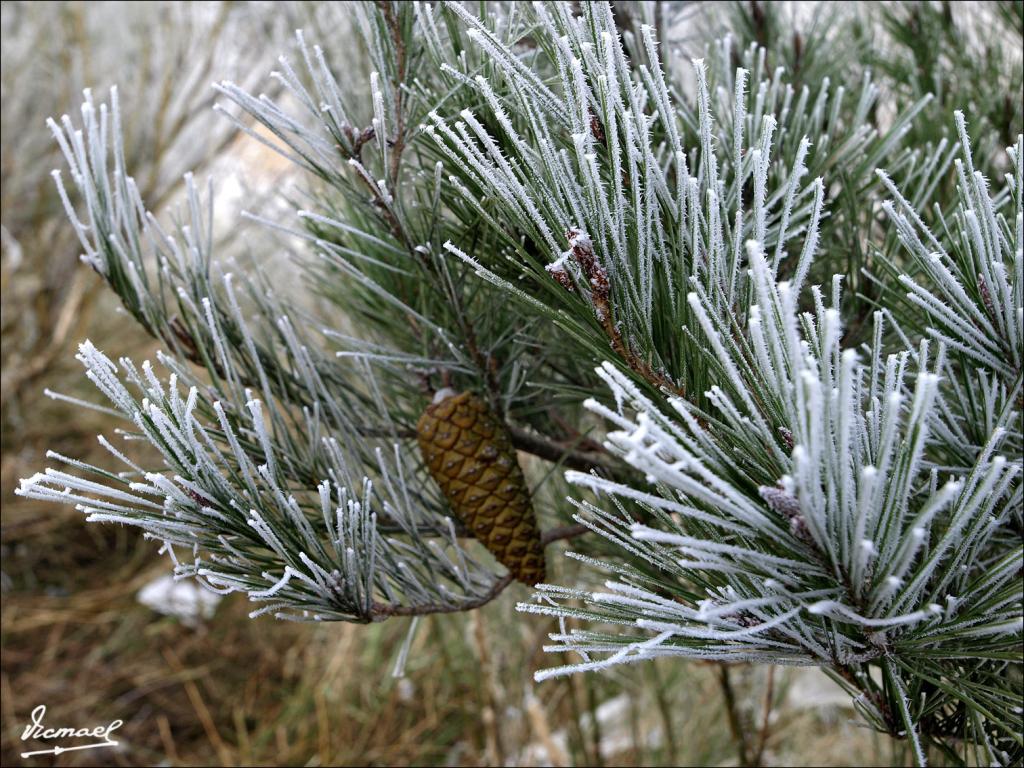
(540, 230)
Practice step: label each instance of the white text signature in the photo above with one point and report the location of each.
(36, 730)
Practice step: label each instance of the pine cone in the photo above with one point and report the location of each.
(470, 454)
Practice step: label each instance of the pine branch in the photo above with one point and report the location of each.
(383, 611)
(561, 453)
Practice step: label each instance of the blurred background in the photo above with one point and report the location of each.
(92, 628)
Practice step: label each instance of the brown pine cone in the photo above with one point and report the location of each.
(470, 454)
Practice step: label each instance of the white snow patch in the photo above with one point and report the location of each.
(185, 600)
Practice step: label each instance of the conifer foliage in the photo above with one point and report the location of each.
(800, 333)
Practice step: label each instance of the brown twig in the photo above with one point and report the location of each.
(398, 141)
(732, 713)
(485, 363)
(559, 453)
(563, 532)
(580, 439)
(382, 611)
(762, 737)
(582, 249)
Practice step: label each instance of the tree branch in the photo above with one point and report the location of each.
(563, 532)
(736, 726)
(398, 142)
(382, 611)
(560, 453)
